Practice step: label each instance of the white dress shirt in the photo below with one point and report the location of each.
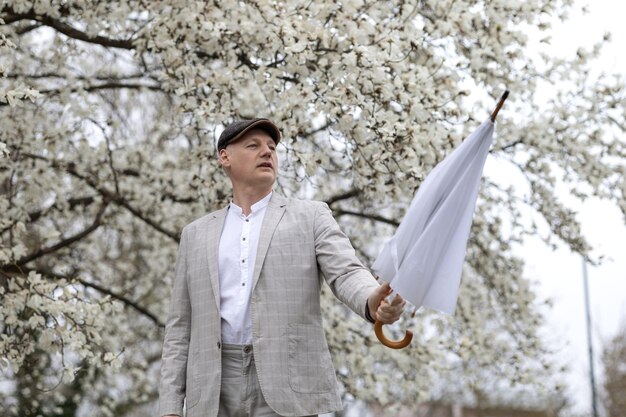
(236, 258)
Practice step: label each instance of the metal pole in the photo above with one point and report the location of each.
(592, 377)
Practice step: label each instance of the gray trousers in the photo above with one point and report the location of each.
(241, 394)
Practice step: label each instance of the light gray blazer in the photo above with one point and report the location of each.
(298, 240)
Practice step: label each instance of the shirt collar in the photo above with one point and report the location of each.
(259, 205)
(262, 203)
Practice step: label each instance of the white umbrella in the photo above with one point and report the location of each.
(423, 261)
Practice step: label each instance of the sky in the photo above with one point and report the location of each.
(558, 274)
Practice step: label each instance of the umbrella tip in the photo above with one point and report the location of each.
(499, 106)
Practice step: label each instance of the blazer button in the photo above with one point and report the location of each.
(219, 345)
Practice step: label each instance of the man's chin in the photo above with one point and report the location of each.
(267, 179)
(267, 172)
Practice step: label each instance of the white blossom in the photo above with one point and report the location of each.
(4, 152)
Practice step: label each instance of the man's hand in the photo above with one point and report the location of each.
(380, 309)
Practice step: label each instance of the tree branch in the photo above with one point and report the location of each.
(314, 131)
(621, 124)
(245, 60)
(80, 77)
(374, 217)
(106, 86)
(28, 28)
(344, 196)
(123, 299)
(10, 16)
(120, 201)
(117, 199)
(511, 145)
(35, 215)
(128, 302)
(108, 195)
(65, 242)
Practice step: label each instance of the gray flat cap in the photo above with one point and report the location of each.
(234, 131)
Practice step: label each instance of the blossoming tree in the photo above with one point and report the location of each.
(107, 148)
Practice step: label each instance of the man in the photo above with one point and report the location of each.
(244, 335)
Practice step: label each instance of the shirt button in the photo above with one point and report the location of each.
(243, 284)
(247, 220)
(243, 261)
(219, 345)
(246, 349)
(244, 238)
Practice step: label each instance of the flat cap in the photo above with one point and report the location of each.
(234, 131)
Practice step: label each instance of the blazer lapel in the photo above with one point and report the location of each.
(275, 211)
(215, 226)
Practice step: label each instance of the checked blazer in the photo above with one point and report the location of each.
(300, 242)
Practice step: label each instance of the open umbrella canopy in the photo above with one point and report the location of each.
(423, 261)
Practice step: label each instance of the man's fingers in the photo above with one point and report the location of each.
(397, 300)
(384, 311)
(383, 290)
(391, 310)
(379, 294)
(387, 318)
(389, 313)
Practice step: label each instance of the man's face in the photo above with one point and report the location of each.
(251, 160)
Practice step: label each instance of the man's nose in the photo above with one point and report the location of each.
(266, 150)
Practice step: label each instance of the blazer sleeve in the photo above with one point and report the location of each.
(349, 280)
(176, 341)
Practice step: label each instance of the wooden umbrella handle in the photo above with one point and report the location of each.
(499, 106)
(393, 344)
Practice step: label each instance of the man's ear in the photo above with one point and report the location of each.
(224, 158)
